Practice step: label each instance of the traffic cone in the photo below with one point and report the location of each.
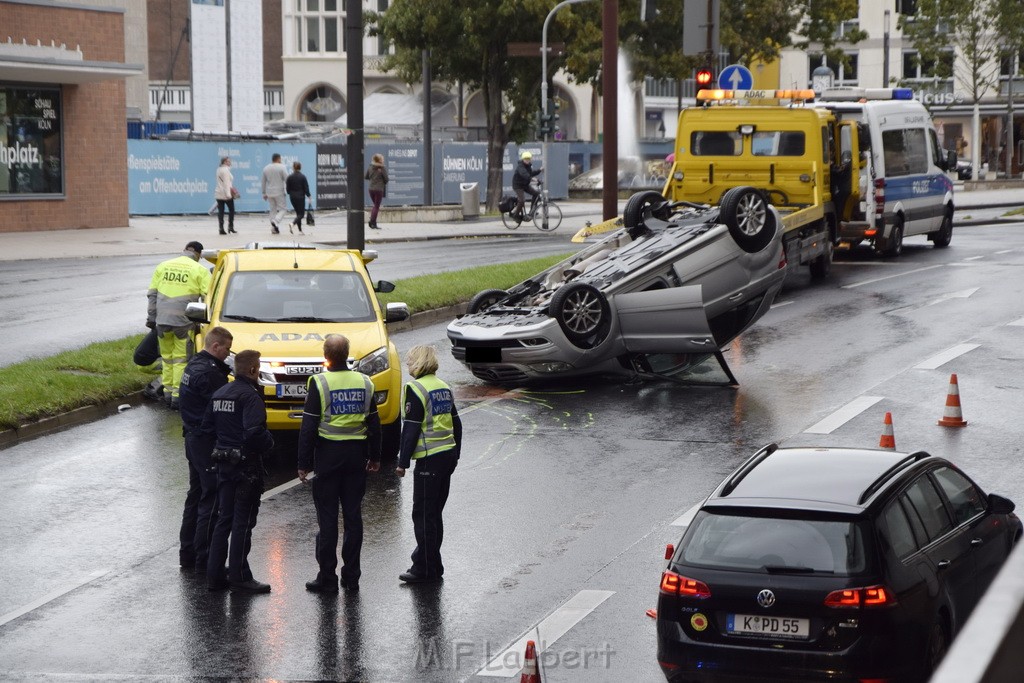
(888, 439)
(530, 673)
(952, 416)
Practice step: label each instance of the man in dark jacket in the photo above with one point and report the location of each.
(340, 441)
(521, 182)
(238, 417)
(203, 375)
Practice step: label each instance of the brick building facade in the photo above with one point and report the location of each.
(76, 52)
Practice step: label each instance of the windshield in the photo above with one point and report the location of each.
(297, 296)
(776, 544)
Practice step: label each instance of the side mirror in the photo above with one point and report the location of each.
(384, 287)
(999, 505)
(196, 312)
(396, 312)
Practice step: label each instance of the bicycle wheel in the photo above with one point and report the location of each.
(510, 221)
(554, 217)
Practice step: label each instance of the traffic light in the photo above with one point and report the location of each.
(704, 79)
(553, 116)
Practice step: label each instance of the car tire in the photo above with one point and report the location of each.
(481, 301)
(744, 210)
(391, 437)
(821, 266)
(937, 646)
(944, 235)
(582, 312)
(644, 205)
(893, 246)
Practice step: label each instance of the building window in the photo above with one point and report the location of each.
(319, 26)
(845, 73)
(907, 7)
(915, 68)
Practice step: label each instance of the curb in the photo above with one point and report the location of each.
(86, 414)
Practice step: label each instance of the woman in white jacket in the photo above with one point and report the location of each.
(225, 195)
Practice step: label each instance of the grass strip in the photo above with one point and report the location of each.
(103, 371)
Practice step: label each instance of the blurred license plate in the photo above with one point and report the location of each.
(781, 627)
(291, 390)
(484, 354)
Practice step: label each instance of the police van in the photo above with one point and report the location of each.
(904, 188)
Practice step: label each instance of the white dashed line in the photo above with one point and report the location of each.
(509, 663)
(780, 304)
(889, 277)
(843, 415)
(1004, 251)
(64, 590)
(687, 517)
(282, 488)
(941, 359)
(973, 258)
(1017, 323)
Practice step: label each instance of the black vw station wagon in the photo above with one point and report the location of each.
(830, 564)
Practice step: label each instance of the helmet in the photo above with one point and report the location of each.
(525, 156)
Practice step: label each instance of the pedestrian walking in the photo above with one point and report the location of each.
(339, 440)
(275, 179)
(176, 283)
(377, 174)
(298, 190)
(203, 375)
(225, 193)
(524, 173)
(238, 418)
(432, 436)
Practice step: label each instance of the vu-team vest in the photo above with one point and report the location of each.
(345, 401)
(437, 431)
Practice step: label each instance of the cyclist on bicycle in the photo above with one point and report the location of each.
(521, 183)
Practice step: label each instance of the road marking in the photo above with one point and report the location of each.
(687, 517)
(962, 294)
(512, 393)
(843, 415)
(1004, 251)
(64, 590)
(889, 277)
(779, 304)
(510, 662)
(973, 258)
(1017, 323)
(940, 359)
(282, 488)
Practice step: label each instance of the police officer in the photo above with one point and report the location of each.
(238, 417)
(203, 375)
(340, 441)
(432, 436)
(175, 284)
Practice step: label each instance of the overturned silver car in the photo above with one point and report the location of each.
(660, 296)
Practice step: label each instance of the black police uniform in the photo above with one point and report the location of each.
(431, 482)
(203, 375)
(239, 418)
(340, 468)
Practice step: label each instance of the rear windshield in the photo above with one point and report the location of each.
(297, 296)
(775, 544)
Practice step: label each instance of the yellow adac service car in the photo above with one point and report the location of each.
(283, 300)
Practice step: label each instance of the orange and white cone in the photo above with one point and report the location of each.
(888, 439)
(952, 415)
(530, 673)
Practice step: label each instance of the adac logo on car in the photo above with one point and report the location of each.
(291, 336)
(699, 622)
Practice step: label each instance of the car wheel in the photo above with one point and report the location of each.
(744, 210)
(391, 435)
(943, 236)
(644, 205)
(894, 245)
(823, 264)
(481, 301)
(582, 312)
(937, 646)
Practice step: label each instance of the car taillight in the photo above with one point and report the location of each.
(872, 596)
(674, 584)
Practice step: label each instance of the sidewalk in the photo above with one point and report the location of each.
(167, 235)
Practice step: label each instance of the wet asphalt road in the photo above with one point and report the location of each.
(91, 300)
(565, 492)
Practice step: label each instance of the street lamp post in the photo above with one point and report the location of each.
(885, 50)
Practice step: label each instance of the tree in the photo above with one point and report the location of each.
(956, 39)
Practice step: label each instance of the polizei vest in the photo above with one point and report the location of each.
(345, 401)
(437, 432)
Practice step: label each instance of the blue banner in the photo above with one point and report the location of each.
(179, 177)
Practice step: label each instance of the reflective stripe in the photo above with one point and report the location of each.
(341, 418)
(437, 431)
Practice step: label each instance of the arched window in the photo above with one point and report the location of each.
(322, 103)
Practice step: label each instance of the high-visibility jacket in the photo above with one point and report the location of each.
(346, 397)
(175, 284)
(437, 431)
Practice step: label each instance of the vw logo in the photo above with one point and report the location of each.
(766, 598)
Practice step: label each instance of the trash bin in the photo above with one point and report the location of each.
(470, 199)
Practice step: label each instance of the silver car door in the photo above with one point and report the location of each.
(664, 321)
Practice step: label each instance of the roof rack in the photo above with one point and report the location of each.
(885, 476)
(745, 469)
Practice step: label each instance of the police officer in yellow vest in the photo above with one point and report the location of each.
(175, 284)
(340, 441)
(432, 436)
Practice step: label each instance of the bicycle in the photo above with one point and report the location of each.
(539, 206)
